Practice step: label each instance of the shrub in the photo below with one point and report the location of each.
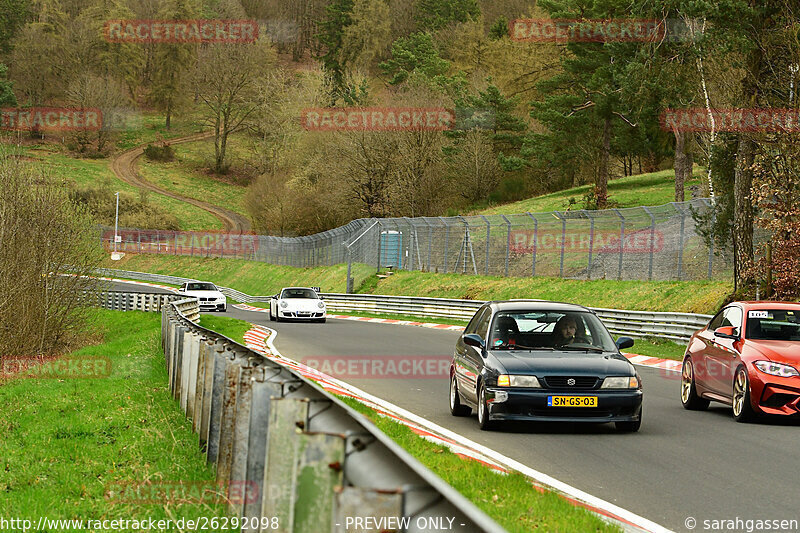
(43, 234)
(161, 153)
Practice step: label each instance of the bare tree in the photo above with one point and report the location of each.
(226, 81)
(474, 167)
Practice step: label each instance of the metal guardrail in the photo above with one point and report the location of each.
(674, 326)
(142, 301)
(293, 452)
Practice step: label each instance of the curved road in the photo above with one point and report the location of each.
(681, 464)
(124, 166)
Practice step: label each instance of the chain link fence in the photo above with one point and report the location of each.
(638, 243)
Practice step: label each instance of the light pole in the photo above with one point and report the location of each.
(116, 223)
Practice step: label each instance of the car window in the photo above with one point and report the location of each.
(299, 293)
(472, 327)
(549, 329)
(716, 322)
(773, 325)
(483, 324)
(732, 316)
(200, 287)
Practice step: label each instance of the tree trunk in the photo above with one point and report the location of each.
(743, 212)
(743, 180)
(168, 123)
(601, 183)
(683, 163)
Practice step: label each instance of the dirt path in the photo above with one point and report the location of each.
(124, 166)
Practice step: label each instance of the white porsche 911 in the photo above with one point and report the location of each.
(209, 296)
(299, 303)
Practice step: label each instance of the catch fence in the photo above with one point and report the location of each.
(639, 243)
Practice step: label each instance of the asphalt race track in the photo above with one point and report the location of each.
(680, 464)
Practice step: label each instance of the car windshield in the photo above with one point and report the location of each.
(773, 325)
(299, 293)
(550, 330)
(201, 287)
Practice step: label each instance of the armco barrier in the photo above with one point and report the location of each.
(141, 301)
(296, 453)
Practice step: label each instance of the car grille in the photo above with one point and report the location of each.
(571, 412)
(561, 382)
(777, 401)
(207, 299)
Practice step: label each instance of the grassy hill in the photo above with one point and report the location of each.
(263, 279)
(655, 188)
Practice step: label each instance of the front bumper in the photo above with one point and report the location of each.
(212, 306)
(301, 315)
(531, 404)
(774, 395)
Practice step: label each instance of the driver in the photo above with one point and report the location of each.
(564, 331)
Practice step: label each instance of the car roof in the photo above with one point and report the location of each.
(764, 304)
(293, 288)
(536, 305)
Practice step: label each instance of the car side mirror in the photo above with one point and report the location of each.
(624, 342)
(726, 332)
(470, 339)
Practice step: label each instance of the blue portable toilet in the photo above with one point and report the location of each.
(391, 248)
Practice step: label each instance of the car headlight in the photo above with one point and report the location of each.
(776, 369)
(626, 382)
(505, 380)
(321, 305)
(283, 304)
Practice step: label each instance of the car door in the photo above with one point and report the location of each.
(461, 348)
(700, 352)
(723, 357)
(472, 362)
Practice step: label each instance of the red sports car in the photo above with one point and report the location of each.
(748, 357)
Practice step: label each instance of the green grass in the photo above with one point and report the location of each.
(251, 277)
(511, 500)
(656, 347)
(262, 279)
(65, 441)
(676, 296)
(656, 188)
(149, 127)
(97, 172)
(233, 328)
(186, 175)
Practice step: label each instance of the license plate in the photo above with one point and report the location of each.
(572, 401)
